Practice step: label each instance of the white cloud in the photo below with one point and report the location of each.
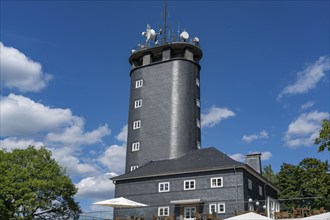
(238, 157)
(74, 167)
(241, 157)
(307, 78)
(114, 158)
(304, 129)
(96, 187)
(307, 105)
(20, 72)
(215, 115)
(22, 116)
(14, 142)
(75, 135)
(249, 138)
(122, 136)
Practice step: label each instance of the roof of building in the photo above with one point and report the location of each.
(206, 159)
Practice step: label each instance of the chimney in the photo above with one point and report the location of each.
(254, 161)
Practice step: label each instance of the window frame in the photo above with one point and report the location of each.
(138, 103)
(136, 124)
(216, 179)
(135, 146)
(198, 123)
(198, 103)
(198, 82)
(134, 167)
(210, 208)
(138, 83)
(164, 211)
(190, 181)
(164, 184)
(260, 190)
(250, 184)
(224, 207)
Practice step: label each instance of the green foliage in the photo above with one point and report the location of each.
(269, 174)
(310, 178)
(34, 186)
(324, 136)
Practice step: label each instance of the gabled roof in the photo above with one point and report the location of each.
(206, 159)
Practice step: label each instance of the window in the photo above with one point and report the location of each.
(198, 145)
(189, 184)
(135, 167)
(136, 124)
(135, 146)
(260, 190)
(163, 211)
(212, 208)
(198, 103)
(164, 187)
(138, 103)
(198, 123)
(249, 184)
(197, 82)
(221, 208)
(139, 83)
(216, 182)
(217, 208)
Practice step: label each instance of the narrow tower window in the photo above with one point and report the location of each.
(139, 83)
(198, 103)
(136, 124)
(135, 146)
(197, 82)
(198, 123)
(138, 103)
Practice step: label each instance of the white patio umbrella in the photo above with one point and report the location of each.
(324, 216)
(248, 216)
(120, 202)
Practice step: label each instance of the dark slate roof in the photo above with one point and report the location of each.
(206, 159)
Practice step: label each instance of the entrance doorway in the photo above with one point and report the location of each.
(189, 213)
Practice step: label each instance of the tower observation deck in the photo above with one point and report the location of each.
(164, 107)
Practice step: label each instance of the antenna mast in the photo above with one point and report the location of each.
(164, 21)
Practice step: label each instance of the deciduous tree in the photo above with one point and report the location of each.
(324, 137)
(34, 186)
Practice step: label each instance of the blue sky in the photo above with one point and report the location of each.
(65, 79)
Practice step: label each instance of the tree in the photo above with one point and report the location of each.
(269, 174)
(309, 179)
(34, 186)
(324, 136)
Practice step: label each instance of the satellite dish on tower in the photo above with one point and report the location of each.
(184, 35)
(150, 33)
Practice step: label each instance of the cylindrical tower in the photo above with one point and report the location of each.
(164, 108)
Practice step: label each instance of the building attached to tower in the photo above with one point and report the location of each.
(165, 165)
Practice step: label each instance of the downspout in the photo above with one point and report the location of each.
(236, 188)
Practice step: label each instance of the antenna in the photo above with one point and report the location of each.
(164, 21)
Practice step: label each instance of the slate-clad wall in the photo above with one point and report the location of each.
(146, 191)
(168, 113)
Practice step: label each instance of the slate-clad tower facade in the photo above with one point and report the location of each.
(164, 108)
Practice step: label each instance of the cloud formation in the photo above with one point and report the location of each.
(307, 105)
(249, 138)
(96, 187)
(21, 116)
(122, 136)
(307, 78)
(214, 116)
(114, 158)
(304, 129)
(20, 72)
